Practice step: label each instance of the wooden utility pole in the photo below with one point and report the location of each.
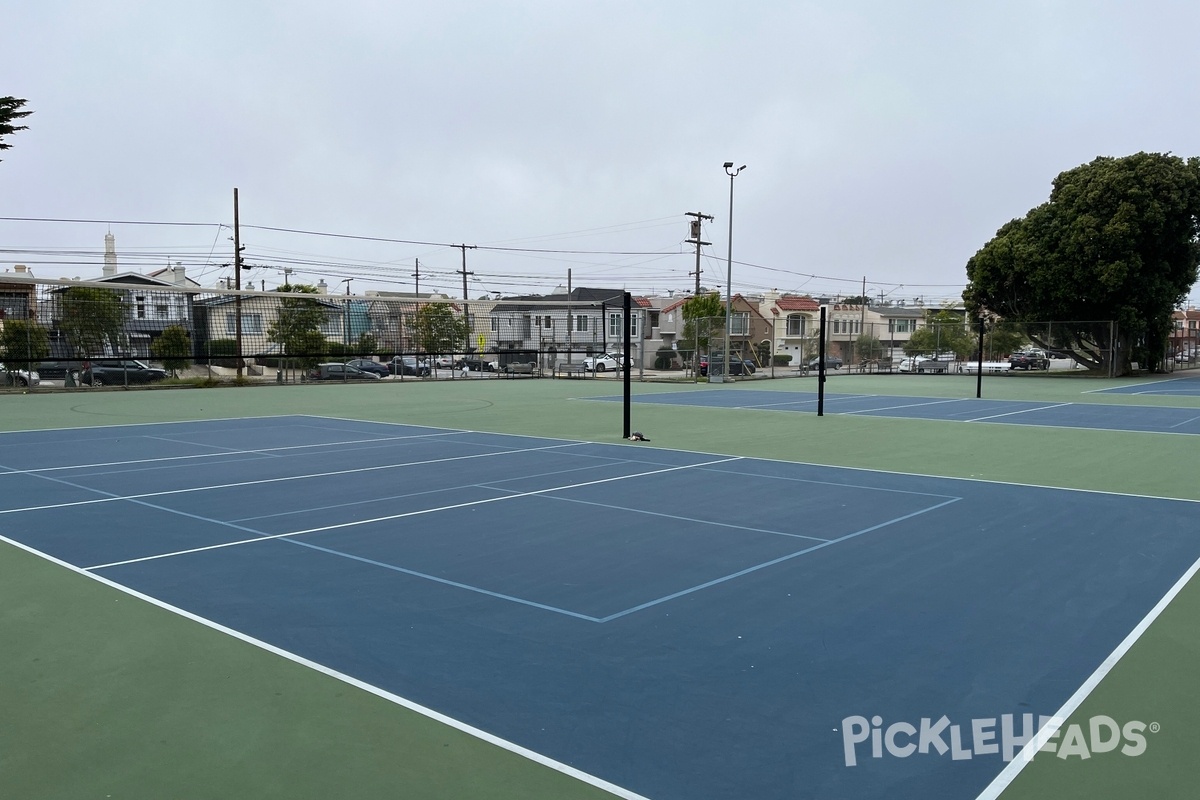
(695, 239)
(417, 277)
(237, 282)
(466, 311)
(463, 271)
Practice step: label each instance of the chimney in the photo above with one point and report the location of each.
(322, 286)
(179, 274)
(110, 255)
(21, 269)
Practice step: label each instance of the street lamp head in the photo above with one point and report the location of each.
(728, 165)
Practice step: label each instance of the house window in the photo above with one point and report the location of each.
(496, 324)
(162, 312)
(581, 322)
(549, 322)
(614, 325)
(251, 323)
(141, 307)
(796, 324)
(739, 323)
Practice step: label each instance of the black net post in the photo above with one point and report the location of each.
(628, 302)
(821, 367)
(979, 376)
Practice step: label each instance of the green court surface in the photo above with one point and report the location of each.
(104, 695)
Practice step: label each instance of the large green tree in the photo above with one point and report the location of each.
(10, 110)
(93, 320)
(438, 330)
(1114, 249)
(297, 325)
(944, 332)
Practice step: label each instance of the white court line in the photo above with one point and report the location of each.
(383, 694)
(1030, 750)
(277, 480)
(906, 405)
(356, 523)
(797, 402)
(1185, 422)
(1022, 411)
(1119, 389)
(231, 452)
(673, 516)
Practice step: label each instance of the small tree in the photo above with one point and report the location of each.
(439, 330)
(92, 319)
(23, 343)
(367, 344)
(174, 349)
(868, 347)
(703, 317)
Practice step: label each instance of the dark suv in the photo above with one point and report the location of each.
(1029, 359)
(737, 364)
(119, 373)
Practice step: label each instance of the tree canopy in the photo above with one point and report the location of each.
(944, 332)
(93, 320)
(439, 330)
(704, 316)
(173, 348)
(297, 325)
(1115, 243)
(23, 342)
(10, 110)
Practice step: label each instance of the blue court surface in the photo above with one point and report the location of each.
(1185, 386)
(682, 625)
(1149, 419)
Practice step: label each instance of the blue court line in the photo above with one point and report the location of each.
(774, 561)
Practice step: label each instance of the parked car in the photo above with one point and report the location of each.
(477, 364)
(737, 364)
(367, 365)
(443, 362)
(831, 362)
(123, 372)
(1029, 359)
(340, 372)
(58, 370)
(19, 377)
(605, 362)
(408, 365)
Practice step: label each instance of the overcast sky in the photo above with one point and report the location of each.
(885, 140)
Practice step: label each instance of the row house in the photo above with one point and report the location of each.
(561, 327)
(748, 327)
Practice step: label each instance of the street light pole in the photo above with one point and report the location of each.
(732, 173)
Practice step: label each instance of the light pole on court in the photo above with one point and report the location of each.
(732, 173)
